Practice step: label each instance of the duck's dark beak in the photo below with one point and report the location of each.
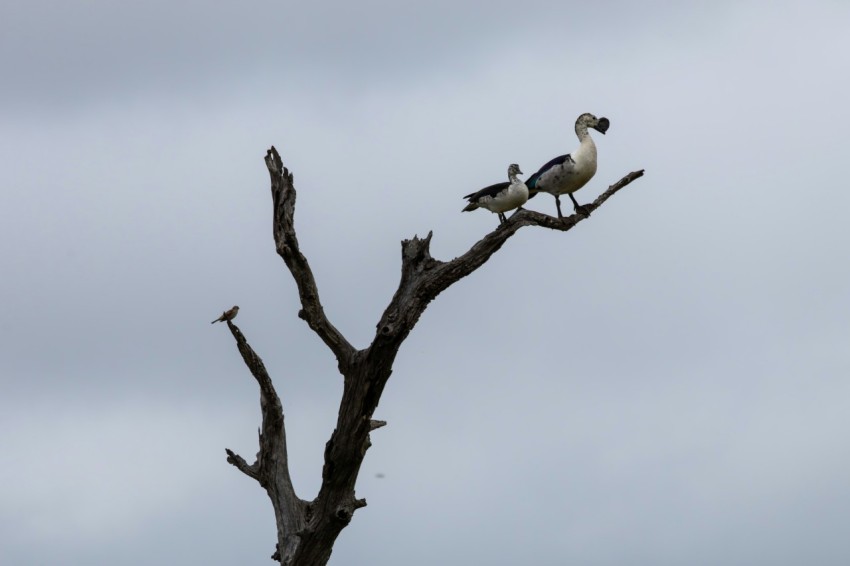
(602, 125)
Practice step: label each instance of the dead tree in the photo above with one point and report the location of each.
(307, 530)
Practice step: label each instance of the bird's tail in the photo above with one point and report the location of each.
(531, 183)
(470, 207)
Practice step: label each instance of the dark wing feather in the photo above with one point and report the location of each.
(490, 191)
(532, 181)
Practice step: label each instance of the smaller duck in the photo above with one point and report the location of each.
(501, 197)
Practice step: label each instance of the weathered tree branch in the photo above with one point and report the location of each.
(423, 277)
(308, 530)
(283, 198)
(271, 469)
(250, 470)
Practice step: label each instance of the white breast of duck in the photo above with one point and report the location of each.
(568, 173)
(500, 197)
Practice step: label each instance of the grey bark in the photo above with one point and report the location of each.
(307, 530)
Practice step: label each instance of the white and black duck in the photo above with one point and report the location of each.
(501, 197)
(568, 173)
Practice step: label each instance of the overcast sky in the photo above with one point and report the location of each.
(666, 384)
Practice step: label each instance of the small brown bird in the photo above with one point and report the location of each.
(227, 315)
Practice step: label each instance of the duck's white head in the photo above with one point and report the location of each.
(514, 170)
(588, 120)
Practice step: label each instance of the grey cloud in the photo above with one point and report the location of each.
(56, 53)
(663, 385)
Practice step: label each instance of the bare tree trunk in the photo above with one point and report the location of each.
(307, 530)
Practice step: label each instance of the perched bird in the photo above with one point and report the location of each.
(501, 197)
(568, 173)
(227, 315)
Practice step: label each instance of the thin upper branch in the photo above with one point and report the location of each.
(283, 197)
(450, 272)
(423, 277)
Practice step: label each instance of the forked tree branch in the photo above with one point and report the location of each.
(423, 277)
(308, 530)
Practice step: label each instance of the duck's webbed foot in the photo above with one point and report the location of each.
(582, 209)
